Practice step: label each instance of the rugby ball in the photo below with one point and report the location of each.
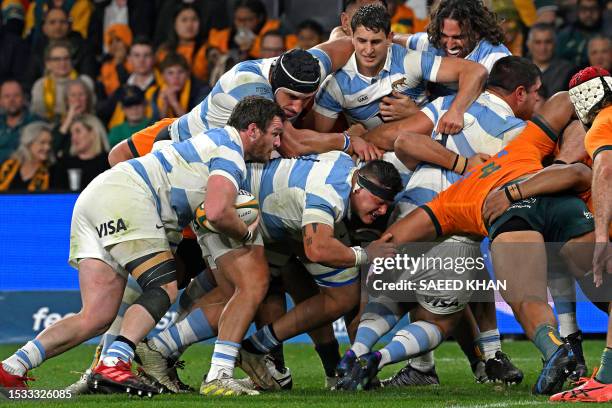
(246, 206)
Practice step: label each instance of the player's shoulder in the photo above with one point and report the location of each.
(603, 118)
(485, 48)
(419, 42)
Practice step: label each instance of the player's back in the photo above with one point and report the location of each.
(458, 209)
(299, 191)
(489, 125)
(599, 136)
(177, 174)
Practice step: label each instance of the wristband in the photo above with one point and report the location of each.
(347, 141)
(361, 256)
(508, 195)
(515, 188)
(455, 162)
(460, 163)
(247, 237)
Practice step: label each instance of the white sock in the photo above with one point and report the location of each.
(423, 363)
(567, 324)
(30, 356)
(489, 343)
(223, 359)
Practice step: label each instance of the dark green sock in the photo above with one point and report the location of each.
(604, 374)
(547, 340)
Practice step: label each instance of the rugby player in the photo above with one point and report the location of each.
(128, 221)
(378, 68)
(591, 95)
(459, 209)
(302, 203)
(495, 119)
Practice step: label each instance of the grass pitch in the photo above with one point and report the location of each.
(458, 388)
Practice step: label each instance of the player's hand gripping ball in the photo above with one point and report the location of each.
(246, 206)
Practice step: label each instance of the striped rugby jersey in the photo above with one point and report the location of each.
(295, 192)
(358, 96)
(247, 78)
(489, 125)
(177, 174)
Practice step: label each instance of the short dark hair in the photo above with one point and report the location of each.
(348, 3)
(310, 25)
(12, 80)
(510, 72)
(384, 174)
(372, 17)
(542, 27)
(142, 40)
(254, 109)
(273, 33)
(173, 59)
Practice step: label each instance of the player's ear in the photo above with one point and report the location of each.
(252, 131)
(520, 93)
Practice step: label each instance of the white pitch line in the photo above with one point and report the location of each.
(500, 404)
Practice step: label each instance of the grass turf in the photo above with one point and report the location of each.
(458, 388)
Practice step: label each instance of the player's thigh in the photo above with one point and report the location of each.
(101, 290)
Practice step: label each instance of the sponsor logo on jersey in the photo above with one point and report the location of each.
(111, 227)
(362, 98)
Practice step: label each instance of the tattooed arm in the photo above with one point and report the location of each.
(321, 247)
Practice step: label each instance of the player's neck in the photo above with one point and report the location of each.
(370, 72)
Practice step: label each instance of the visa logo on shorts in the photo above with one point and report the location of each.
(111, 227)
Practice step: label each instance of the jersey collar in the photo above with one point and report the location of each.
(351, 66)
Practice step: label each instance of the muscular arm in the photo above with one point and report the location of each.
(550, 180)
(557, 112)
(384, 136)
(401, 39)
(299, 142)
(320, 246)
(338, 50)
(219, 207)
(121, 152)
(412, 148)
(471, 77)
(602, 194)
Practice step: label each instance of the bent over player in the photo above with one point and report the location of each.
(129, 219)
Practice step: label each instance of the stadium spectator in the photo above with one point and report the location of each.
(403, 20)
(556, 72)
(600, 52)
(572, 40)
(28, 168)
(115, 69)
(79, 100)
(178, 93)
(513, 29)
(186, 39)
(13, 15)
(56, 27)
(87, 157)
(134, 108)
(250, 23)
(77, 11)
(308, 34)
(13, 55)
(142, 62)
(15, 115)
(272, 44)
(48, 92)
(136, 14)
(213, 14)
(350, 7)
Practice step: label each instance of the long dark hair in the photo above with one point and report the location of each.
(257, 7)
(477, 22)
(173, 41)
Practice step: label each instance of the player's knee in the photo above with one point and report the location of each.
(156, 275)
(94, 323)
(254, 291)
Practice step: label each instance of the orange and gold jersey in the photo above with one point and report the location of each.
(458, 209)
(599, 136)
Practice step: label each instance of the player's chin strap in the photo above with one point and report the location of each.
(588, 95)
(381, 192)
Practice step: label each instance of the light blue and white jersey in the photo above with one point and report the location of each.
(484, 53)
(489, 125)
(296, 192)
(247, 78)
(177, 174)
(358, 96)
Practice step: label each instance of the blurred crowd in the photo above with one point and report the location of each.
(79, 76)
